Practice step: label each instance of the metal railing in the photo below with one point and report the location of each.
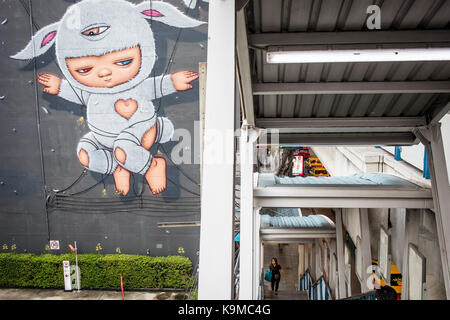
(317, 290)
(321, 290)
(306, 282)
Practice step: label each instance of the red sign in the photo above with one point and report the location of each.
(54, 244)
(297, 168)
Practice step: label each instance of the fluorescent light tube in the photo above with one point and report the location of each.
(363, 55)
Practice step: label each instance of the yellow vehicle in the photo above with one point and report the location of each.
(313, 162)
(320, 172)
(396, 279)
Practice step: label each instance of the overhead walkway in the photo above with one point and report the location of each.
(297, 229)
(370, 190)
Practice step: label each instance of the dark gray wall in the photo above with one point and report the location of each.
(24, 220)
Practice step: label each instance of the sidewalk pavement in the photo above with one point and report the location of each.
(59, 294)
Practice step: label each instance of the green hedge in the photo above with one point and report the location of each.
(97, 271)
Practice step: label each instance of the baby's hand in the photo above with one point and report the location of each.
(50, 82)
(182, 79)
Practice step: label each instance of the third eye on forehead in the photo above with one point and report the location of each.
(94, 30)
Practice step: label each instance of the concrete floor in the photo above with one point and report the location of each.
(284, 295)
(58, 294)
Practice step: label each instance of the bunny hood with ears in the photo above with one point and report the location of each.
(120, 24)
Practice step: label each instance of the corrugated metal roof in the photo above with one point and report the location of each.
(266, 16)
(282, 222)
(346, 15)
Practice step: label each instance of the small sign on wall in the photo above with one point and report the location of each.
(54, 244)
(67, 277)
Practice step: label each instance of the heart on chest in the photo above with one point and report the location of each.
(126, 108)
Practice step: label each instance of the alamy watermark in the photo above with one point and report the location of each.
(374, 19)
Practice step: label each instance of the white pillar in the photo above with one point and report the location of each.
(313, 260)
(217, 201)
(431, 137)
(333, 267)
(340, 254)
(365, 247)
(257, 273)
(248, 223)
(412, 222)
(301, 260)
(319, 255)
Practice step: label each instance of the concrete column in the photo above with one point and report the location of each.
(365, 247)
(249, 218)
(333, 267)
(318, 258)
(340, 254)
(313, 260)
(307, 253)
(217, 190)
(325, 260)
(431, 137)
(412, 222)
(301, 260)
(257, 273)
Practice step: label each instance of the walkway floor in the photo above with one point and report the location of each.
(51, 294)
(284, 295)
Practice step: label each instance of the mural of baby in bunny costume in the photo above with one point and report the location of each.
(106, 56)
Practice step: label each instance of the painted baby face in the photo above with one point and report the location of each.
(108, 70)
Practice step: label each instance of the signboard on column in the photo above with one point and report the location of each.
(297, 168)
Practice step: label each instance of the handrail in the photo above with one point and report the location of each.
(312, 284)
(318, 282)
(306, 285)
(307, 271)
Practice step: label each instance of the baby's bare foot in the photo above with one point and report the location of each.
(156, 175)
(122, 180)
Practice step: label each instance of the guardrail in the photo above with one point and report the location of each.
(306, 282)
(321, 290)
(317, 290)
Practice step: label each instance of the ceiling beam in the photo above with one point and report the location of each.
(352, 87)
(349, 122)
(244, 74)
(436, 115)
(343, 191)
(345, 196)
(296, 234)
(339, 138)
(348, 37)
(344, 202)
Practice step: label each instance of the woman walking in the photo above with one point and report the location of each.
(275, 269)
